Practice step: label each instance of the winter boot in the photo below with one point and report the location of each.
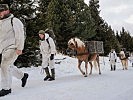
(24, 79)
(53, 75)
(111, 68)
(4, 92)
(114, 67)
(47, 74)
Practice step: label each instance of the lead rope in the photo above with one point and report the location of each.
(42, 71)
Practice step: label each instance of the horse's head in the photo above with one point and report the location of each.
(75, 43)
(72, 44)
(122, 55)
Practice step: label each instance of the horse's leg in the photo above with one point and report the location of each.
(79, 64)
(86, 68)
(97, 59)
(126, 64)
(122, 62)
(91, 68)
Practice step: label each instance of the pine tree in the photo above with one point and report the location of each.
(111, 41)
(25, 9)
(58, 18)
(67, 19)
(84, 22)
(94, 11)
(125, 39)
(103, 31)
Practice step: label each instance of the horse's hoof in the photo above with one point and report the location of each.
(99, 73)
(85, 75)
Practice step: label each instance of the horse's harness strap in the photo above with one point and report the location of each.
(80, 54)
(124, 58)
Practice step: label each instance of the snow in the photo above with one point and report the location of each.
(71, 85)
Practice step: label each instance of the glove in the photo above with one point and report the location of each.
(115, 60)
(52, 57)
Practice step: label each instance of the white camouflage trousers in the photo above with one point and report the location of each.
(47, 62)
(112, 62)
(8, 70)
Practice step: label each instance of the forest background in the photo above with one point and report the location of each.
(67, 18)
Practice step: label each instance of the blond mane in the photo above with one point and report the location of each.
(79, 42)
(122, 54)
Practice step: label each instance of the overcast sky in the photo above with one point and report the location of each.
(117, 13)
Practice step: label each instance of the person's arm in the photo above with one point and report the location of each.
(115, 57)
(52, 46)
(109, 56)
(19, 33)
(40, 46)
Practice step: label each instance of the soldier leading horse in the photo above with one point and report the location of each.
(83, 55)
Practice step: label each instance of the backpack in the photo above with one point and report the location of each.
(48, 42)
(24, 23)
(51, 34)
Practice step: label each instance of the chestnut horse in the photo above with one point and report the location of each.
(124, 60)
(83, 55)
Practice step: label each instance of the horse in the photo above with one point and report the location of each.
(124, 60)
(83, 55)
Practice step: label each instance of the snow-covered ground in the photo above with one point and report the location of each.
(71, 85)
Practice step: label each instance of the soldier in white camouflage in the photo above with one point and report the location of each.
(11, 46)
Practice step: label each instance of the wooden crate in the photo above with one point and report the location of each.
(95, 46)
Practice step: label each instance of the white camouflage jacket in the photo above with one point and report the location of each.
(112, 55)
(11, 36)
(44, 46)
